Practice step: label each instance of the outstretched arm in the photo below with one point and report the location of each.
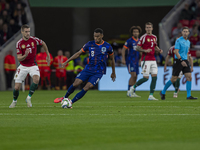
(113, 75)
(47, 52)
(76, 55)
(139, 49)
(123, 55)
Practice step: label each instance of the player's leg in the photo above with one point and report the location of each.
(92, 81)
(177, 84)
(35, 74)
(145, 72)
(177, 68)
(154, 72)
(187, 73)
(20, 75)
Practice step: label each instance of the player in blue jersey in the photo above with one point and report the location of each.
(181, 63)
(133, 56)
(98, 53)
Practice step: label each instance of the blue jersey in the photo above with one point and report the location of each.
(183, 46)
(98, 55)
(131, 45)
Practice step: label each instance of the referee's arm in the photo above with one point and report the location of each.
(183, 63)
(191, 62)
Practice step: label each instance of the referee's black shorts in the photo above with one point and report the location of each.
(177, 67)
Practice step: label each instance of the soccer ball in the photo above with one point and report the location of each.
(66, 103)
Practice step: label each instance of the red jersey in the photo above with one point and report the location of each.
(148, 42)
(172, 54)
(30, 44)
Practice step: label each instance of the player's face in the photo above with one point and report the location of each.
(136, 33)
(185, 33)
(149, 29)
(98, 37)
(26, 33)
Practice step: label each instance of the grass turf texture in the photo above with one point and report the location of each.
(100, 120)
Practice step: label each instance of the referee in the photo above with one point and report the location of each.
(181, 63)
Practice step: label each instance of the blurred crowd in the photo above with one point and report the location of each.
(12, 16)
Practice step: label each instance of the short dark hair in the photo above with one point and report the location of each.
(149, 23)
(24, 27)
(135, 27)
(186, 28)
(98, 30)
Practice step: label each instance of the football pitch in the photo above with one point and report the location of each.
(100, 121)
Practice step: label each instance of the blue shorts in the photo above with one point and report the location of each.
(132, 67)
(92, 77)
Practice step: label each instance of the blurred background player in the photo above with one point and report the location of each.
(132, 59)
(45, 69)
(148, 45)
(181, 63)
(10, 68)
(26, 53)
(93, 72)
(60, 71)
(177, 83)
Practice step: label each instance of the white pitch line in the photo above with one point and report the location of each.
(7, 114)
(118, 106)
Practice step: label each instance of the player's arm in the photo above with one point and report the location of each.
(47, 52)
(113, 75)
(179, 57)
(123, 55)
(21, 57)
(166, 61)
(158, 49)
(191, 62)
(76, 55)
(139, 49)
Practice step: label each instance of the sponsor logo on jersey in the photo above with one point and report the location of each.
(16, 76)
(23, 46)
(151, 40)
(28, 45)
(148, 40)
(32, 44)
(103, 50)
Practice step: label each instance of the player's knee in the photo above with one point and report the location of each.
(36, 81)
(17, 88)
(173, 79)
(189, 78)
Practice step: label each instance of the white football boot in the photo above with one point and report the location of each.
(28, 101)
(151, 98)
(129, 94)
(13, 104)
(175, 95)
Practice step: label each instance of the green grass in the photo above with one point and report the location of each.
(100, 121)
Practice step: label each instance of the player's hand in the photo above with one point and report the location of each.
(161, 51)
(148, 50)
(191, 69)
(123, 61)
(113, 76)
(27, 52)
(183, 63)
(165, 68)
(64, 64)
(48, 60)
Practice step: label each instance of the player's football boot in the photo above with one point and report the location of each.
(192, 98)
(13, 104)
(28, 102)
(162, 96)
(58, 100)
(132, 89)
(175, 95)
(151, 98)
(129, 94)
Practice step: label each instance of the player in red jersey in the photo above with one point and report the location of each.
(26, 54)
(176, 84)
(148, 45)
